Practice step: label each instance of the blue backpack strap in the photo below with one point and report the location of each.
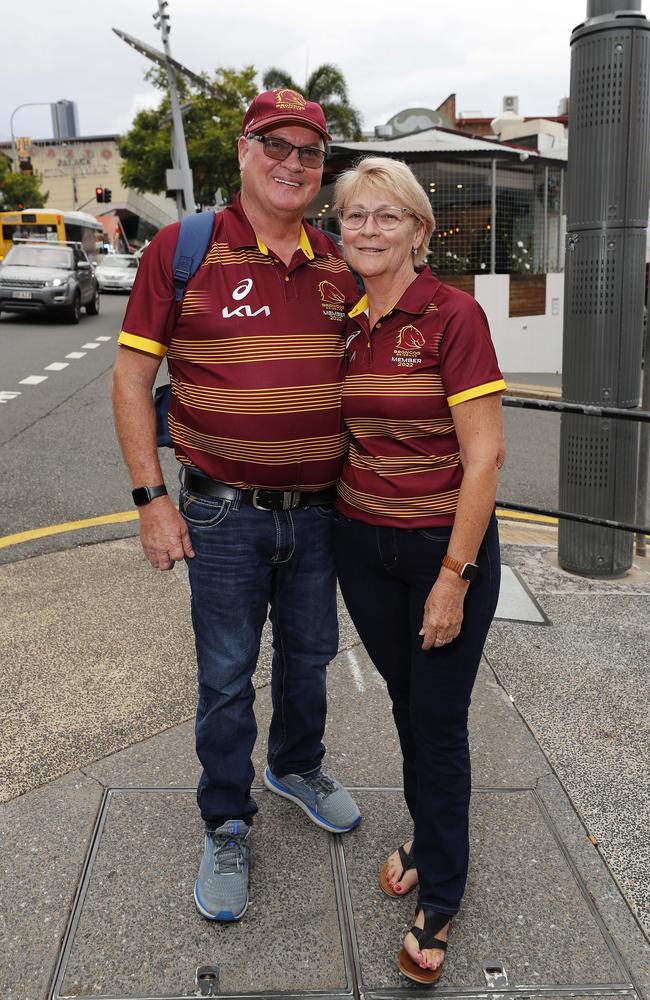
(191, 247)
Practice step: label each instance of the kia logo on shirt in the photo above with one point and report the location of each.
(239, 293)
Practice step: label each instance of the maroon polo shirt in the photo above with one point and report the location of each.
(430, 352)
(255, 354)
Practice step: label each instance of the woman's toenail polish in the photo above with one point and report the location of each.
(397, 888)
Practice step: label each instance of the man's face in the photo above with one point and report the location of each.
(284, 187)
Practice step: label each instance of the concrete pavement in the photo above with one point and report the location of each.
(100, 839)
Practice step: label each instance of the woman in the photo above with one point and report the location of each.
(415, 533)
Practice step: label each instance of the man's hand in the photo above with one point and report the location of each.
(443, 610)
(164, 534)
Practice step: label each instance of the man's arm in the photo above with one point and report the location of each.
(163, 532)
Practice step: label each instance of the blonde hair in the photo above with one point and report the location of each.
(380, 173)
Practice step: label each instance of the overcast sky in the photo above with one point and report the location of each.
(394, 55)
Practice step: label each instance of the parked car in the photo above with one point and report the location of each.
(116, 272)
(56, 278)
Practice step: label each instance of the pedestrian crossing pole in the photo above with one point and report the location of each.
(607, 219)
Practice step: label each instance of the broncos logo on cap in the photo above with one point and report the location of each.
(289, 99)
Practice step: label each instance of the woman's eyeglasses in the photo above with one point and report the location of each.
(280, 149)
(387, 218)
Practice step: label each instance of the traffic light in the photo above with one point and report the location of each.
(99, 194)
(108, 194)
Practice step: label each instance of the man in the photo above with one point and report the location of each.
(256, 363)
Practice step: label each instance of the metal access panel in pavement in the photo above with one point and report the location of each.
(318, 925)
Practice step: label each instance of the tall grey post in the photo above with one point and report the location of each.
(180, 160)
(609, 180)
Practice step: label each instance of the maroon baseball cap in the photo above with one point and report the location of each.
(284, 107)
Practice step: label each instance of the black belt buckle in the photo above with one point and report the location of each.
(275, 499)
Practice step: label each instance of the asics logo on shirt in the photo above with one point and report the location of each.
(239, 293)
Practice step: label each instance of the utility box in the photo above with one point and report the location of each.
(609, 182)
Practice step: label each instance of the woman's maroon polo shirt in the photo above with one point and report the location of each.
(430, 352)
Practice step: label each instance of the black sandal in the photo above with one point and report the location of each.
(426, 938)
(408, 862)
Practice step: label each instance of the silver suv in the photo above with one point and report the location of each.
(55, 278)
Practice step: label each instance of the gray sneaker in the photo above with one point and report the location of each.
(324, 799)
(221, 890)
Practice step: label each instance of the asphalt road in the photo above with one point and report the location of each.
(60, 460)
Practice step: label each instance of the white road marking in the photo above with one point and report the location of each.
(33, 380)
(103, 338)
(355, 670)
(56, 366)
(6, 395)
(89, 347)
(76, 354)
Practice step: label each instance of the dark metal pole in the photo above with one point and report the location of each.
(609, 180)
(644, 445)
(493, 219)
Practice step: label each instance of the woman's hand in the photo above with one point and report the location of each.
(443, 610)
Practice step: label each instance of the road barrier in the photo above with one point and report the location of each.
(587, 410)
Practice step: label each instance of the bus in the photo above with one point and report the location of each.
(51, 224)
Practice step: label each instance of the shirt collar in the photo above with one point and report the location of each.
(415, 299)
(240, 233)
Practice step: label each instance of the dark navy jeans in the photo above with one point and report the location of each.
(246, 562)
(385, 576)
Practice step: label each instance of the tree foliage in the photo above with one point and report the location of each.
(327, 86)
(212, 126)
(18, 189)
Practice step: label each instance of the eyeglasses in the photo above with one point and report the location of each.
(387, 218)
(280, 149)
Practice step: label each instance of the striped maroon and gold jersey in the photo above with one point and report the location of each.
(255, 354)
(430, 352)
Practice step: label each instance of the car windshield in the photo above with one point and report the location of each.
(40, 257)
(120, 263)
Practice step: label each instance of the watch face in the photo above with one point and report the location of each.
(470, 572)
(140, 496)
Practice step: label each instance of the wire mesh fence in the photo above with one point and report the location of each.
(495, 217)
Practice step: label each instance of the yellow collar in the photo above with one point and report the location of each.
(303, 245)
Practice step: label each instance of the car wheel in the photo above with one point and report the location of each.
(92, 308)
(74, 312)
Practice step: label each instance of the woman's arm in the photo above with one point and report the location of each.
(479, 428)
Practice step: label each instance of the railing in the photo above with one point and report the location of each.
(588, 410)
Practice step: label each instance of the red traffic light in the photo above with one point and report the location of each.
(99, 193)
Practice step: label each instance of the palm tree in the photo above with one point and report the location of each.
(327, 86)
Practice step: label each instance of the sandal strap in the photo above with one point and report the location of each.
(426, 936)
(407, 859)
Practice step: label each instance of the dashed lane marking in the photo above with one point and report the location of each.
(6, 395)
(103, 339)
(56, 366)
(89, 347)
(76, 354)
(33, 380)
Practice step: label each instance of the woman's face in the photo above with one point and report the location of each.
(373, 251)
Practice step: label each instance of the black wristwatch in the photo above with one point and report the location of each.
(143, 495)
(466, 571)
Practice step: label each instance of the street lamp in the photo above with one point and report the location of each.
(14, 151)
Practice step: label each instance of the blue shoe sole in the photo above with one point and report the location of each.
(274, 785)
(223, 916)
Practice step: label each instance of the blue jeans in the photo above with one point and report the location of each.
(385, 576)
(246, 561)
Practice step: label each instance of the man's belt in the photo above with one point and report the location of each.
(260, 499)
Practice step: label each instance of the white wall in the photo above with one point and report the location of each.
(523, 343)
